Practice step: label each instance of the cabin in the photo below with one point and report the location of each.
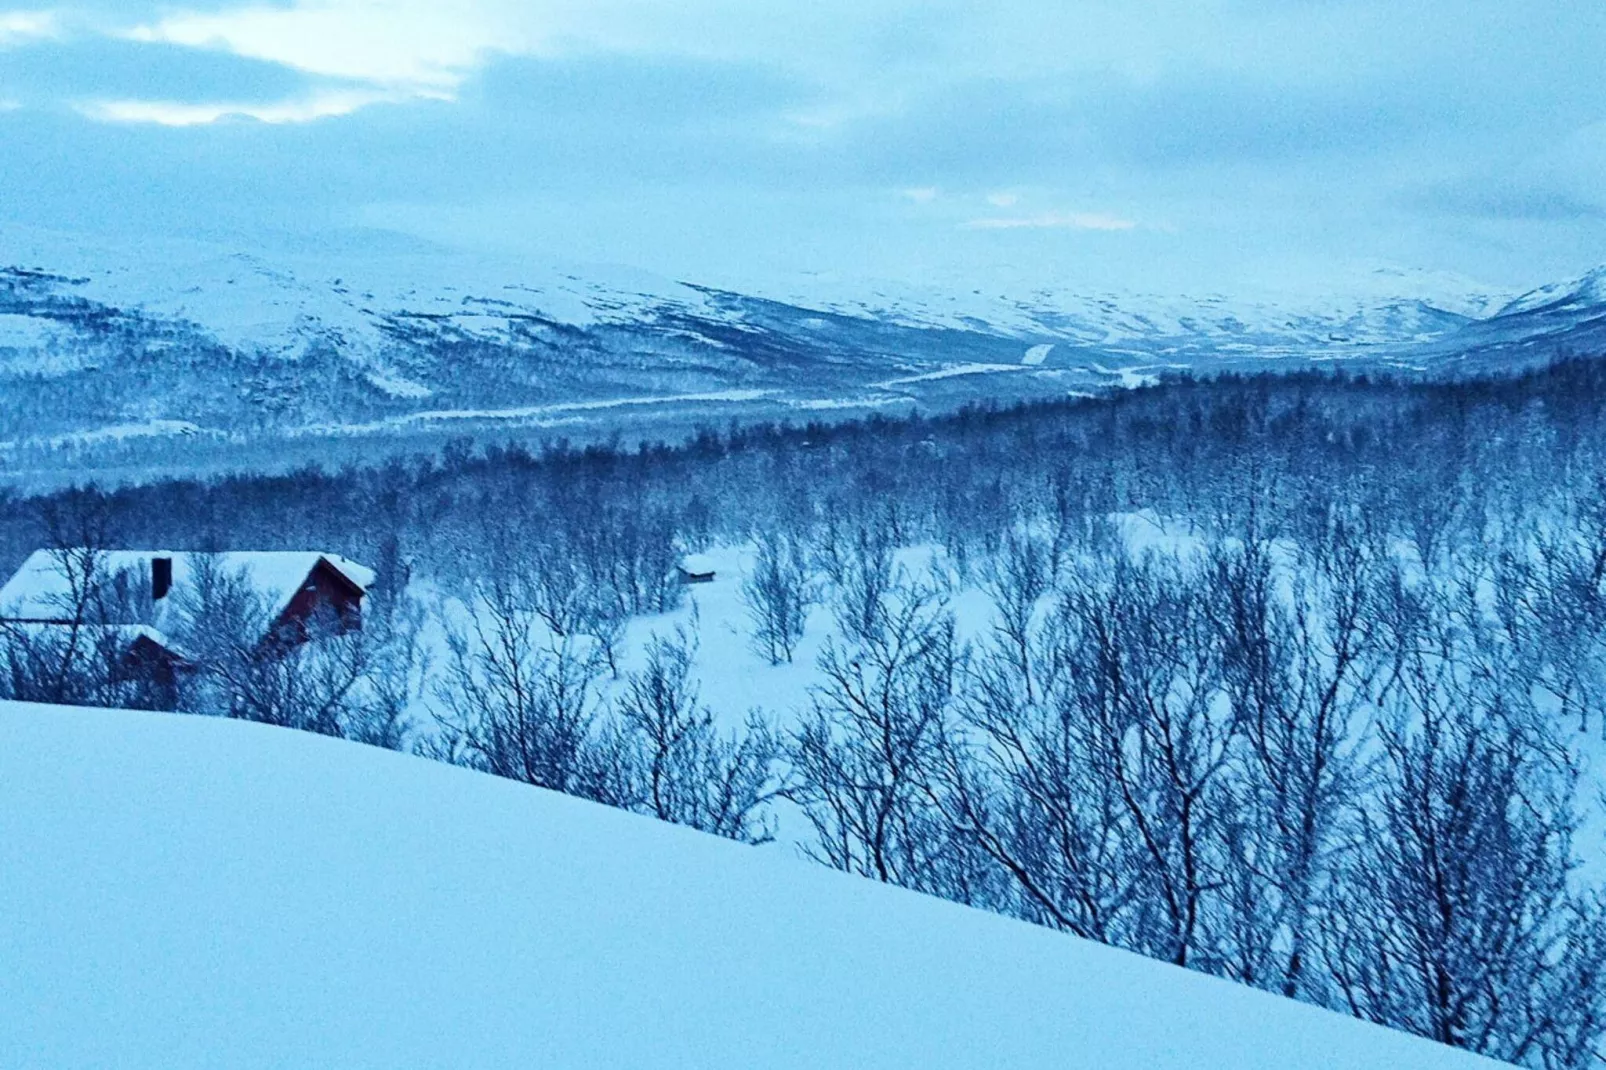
(146, 657)
(134, 653)
(146, 654)
(150, 588)
(696, 568)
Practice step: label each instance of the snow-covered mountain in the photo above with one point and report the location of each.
(103, 347)
(192, 891)
(1567, 318)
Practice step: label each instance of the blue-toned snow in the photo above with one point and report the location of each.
(193, 892)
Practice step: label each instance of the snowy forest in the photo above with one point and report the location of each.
(1295, 680)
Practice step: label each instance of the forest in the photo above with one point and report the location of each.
(1297, 680)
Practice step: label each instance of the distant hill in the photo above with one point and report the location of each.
(116, 356)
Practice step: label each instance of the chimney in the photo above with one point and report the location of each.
(161, 577)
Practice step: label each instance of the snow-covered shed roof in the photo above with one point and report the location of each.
(41, 590)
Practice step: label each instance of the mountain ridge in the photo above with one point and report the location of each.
(105, 345)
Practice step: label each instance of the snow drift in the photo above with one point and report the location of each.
(185, 891)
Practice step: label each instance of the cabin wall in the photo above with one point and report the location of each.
(325, 591)
(155, 669)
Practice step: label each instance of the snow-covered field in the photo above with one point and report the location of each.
(732, 676)
(187, 891)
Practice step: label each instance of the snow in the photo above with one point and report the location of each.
(281, 302)
(122, 432)
(1589, 288)
(125, 635)
(698, 564)
(1362, 304)
(732, 678)
(1130, 378)
(189, 891)
(830, 404)
(114, 433)
(23, 332)
(396, 314)
(950, 372)
(536, 413)
(398, 386)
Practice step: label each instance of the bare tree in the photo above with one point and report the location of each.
(1296, 643)
(1459, 922)
(78, 649)
(672, 762)
(861, 567)
(1145, 680)
(1547, 595)
(516, 700)
(331, 678)
(397, 675)
(74, 664)
(778, 593)
(865, 758)
(1016, 579)
(1456, 916)
(1019, 782)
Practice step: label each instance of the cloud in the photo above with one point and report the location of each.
(1510, 202)
(848, 131)
(356, 53)
(406, 44)
(97, 68)
(1054, 221)
(173, 113)
(434, 47)
(340, 56)
(18, 27)
(1555, 182)
(429, 50)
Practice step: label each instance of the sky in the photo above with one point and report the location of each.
(1177, 146)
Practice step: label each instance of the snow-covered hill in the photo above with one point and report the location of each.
(184, 891)
(105, 348)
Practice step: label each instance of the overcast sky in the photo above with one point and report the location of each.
(1169, 145)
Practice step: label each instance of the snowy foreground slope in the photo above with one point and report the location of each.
(184, 891)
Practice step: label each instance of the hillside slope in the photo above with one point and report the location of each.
(184, 891)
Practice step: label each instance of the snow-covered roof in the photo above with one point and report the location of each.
(697, 564)
(40, 589)
(125, 635)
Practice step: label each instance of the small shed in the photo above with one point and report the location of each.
(696, 568)
(149, 658)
